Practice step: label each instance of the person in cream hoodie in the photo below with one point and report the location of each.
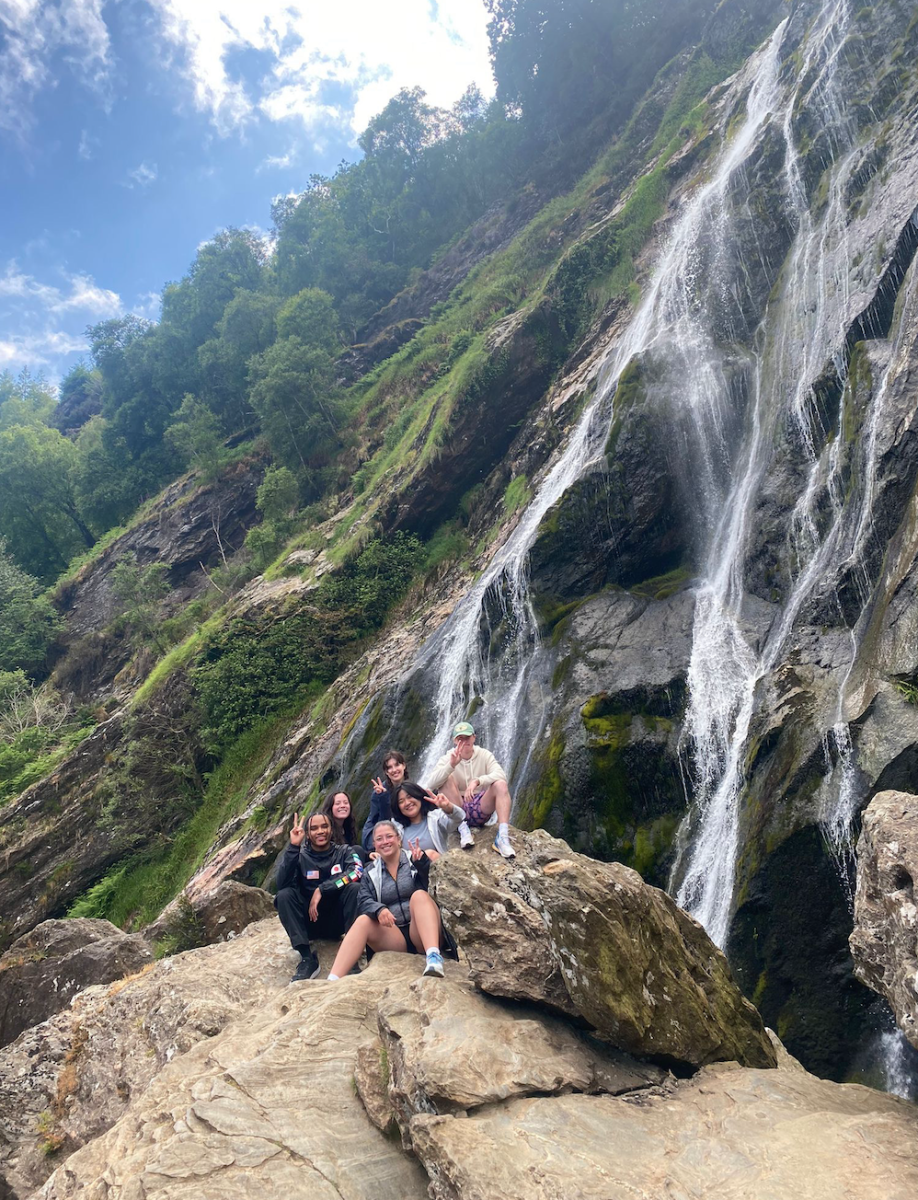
(473, 779)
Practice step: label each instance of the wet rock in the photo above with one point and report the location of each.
(727, 1134)
(43, 970)
(884, 941)
(633, 965)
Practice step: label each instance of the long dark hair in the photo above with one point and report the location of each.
(417, 792)
(344, 833)
(399, 758)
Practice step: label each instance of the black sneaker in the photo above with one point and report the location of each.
(308, 969)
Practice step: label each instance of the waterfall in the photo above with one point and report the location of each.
(731, 389)
(466, 672)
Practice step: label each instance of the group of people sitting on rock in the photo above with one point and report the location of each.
(375, 893)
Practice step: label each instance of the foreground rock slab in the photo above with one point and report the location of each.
(448, 1049)
(884, 942)
(727, 1134)
(44, 969)
(266, 1108)
(70, 1078)
(631, 963)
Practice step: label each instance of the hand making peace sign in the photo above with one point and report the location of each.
(298, 832)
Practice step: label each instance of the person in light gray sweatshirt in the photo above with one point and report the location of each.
(472, 778)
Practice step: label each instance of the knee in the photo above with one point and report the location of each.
(285, 897)
(420, 900)
(501, 788)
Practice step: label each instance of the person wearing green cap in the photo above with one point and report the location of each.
(472, 778)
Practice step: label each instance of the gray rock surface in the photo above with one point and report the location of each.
(67, 1080)
(218, 915)
(448, 1049)
(493, 1098)
(43, 970)
(884, 941)
(727, 1134)
(633, 965)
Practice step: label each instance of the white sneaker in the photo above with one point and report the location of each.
(434, 964)
(466, 841)
(503, 847)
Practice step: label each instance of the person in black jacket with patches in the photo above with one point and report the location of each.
(316, 888)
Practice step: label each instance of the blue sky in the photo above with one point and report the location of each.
(132, 130)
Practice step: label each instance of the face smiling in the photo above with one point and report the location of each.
(408, 807)
(395, 770)
(385, 840)
(318, 832)
(341, 806)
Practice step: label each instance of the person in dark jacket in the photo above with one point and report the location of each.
(316, 888)
(395, 910)
(395, 771)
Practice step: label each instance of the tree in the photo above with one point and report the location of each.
(138, 591)
(25, 400)
(28, 621)
(195, 436)
(277, 500)
(79, 399)
(310, 316)
(39, 513)
(293, 394)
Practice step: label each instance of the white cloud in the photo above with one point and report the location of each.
(141, 176)
(373, 48)
(277, 161)
(39, 350)
(87, 145)
(34, 33)
(45, 321)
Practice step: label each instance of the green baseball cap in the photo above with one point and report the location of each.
(463, 729)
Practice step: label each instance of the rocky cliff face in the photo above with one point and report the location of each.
(692, 634)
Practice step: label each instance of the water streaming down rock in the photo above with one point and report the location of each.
(467, 670)
(744, 352)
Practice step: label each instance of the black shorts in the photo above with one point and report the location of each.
(409, 944)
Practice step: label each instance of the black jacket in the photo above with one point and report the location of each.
(328, 870)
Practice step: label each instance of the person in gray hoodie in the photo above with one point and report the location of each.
(394, 910)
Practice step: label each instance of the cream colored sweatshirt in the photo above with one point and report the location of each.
(482, 766)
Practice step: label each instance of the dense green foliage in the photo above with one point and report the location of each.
(252, 667)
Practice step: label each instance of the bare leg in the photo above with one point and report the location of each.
(353, 945)
(364, 932)
(425, 922)
(497, 799)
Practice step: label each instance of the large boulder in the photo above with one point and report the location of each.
(67, 1080)
(634, 965)
(492, 1098)
(884, 941)
(449, 1049)
(726, 1134)
(44, 969)
(217, 915)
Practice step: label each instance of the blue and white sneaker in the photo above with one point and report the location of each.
(503, 847)
(434, 964)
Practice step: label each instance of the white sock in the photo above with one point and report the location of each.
(432, 950)
(330, 976)
(503, 829)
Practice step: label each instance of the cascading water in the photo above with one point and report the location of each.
(729, 403)
(465, 671)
